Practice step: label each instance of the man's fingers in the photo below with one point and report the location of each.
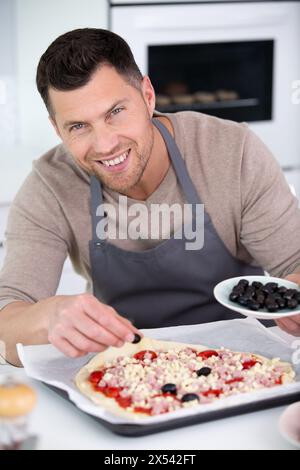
(67, 348)
(281, 325)
(81, 343)
(293, 278)
(106, 316)
(128, 323)
(289, 325)
(82, 324)
(95, 332)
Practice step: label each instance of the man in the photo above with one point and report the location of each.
(115, 144)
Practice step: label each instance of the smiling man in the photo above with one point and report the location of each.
(122, 160)
(114, 144)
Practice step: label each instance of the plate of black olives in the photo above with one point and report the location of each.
(262, 297)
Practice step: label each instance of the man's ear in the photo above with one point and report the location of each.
(52, 120)
(148, 94)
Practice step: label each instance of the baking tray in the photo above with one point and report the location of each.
(139, 430)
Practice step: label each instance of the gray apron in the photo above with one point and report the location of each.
(166, 285)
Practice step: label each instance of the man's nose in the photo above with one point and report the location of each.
(105, 140)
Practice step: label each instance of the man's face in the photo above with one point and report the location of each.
(104, 120)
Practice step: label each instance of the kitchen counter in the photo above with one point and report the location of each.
(59, 425)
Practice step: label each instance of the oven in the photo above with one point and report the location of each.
(235, 60)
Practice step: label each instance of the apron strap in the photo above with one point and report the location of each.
(183, 176)
(96, 201)
(179, 165)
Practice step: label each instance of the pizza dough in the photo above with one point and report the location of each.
(118, 357)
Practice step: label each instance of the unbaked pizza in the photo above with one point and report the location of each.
(155, 377)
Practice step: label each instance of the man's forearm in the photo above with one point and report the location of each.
(25, 323)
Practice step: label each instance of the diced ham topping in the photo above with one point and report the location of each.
(136, 382)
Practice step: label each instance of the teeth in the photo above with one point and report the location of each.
(116, 160)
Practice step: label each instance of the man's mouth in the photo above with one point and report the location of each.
(116, 163)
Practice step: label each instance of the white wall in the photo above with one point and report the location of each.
(7, 40)
(8, 123)
(35, 24)
(38, 24)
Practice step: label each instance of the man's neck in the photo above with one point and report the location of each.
(157, 166)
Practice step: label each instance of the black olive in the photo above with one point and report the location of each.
(137, 339)
(243, 300)
(234, 296)
(272, 285)
(269, 296)
(256, 284)
(253, 305)
(289, 294)
(238, 290)
(189, 397)
(272, 306)
(267, 290)
(282, 290)
(292, 303)
(250, 291)
(238, 287)
(169, 388)
(205, 371)
(281, 303)
(261, 300)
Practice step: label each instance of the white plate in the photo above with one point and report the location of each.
(224, 288)
(289, 424)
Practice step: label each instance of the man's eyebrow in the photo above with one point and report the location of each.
(72, 123)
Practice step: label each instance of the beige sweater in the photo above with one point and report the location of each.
(239, 182)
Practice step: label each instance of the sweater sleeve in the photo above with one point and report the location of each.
(36, 245)
(270, 228)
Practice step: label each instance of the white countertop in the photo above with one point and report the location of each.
(60, 425)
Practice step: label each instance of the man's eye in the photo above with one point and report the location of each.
(77, 127)
(116, 111)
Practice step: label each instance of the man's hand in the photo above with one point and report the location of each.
(291, 325)
(81, 324)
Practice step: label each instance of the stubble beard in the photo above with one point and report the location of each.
(127, 180)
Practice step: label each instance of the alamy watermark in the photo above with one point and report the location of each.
(152, 222)
(296, 354)
(296, 92)
(2, 353)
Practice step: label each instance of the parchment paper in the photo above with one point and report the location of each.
(47, 364)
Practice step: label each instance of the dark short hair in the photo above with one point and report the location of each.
(70, 61)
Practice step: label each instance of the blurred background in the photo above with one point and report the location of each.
(236, 60)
